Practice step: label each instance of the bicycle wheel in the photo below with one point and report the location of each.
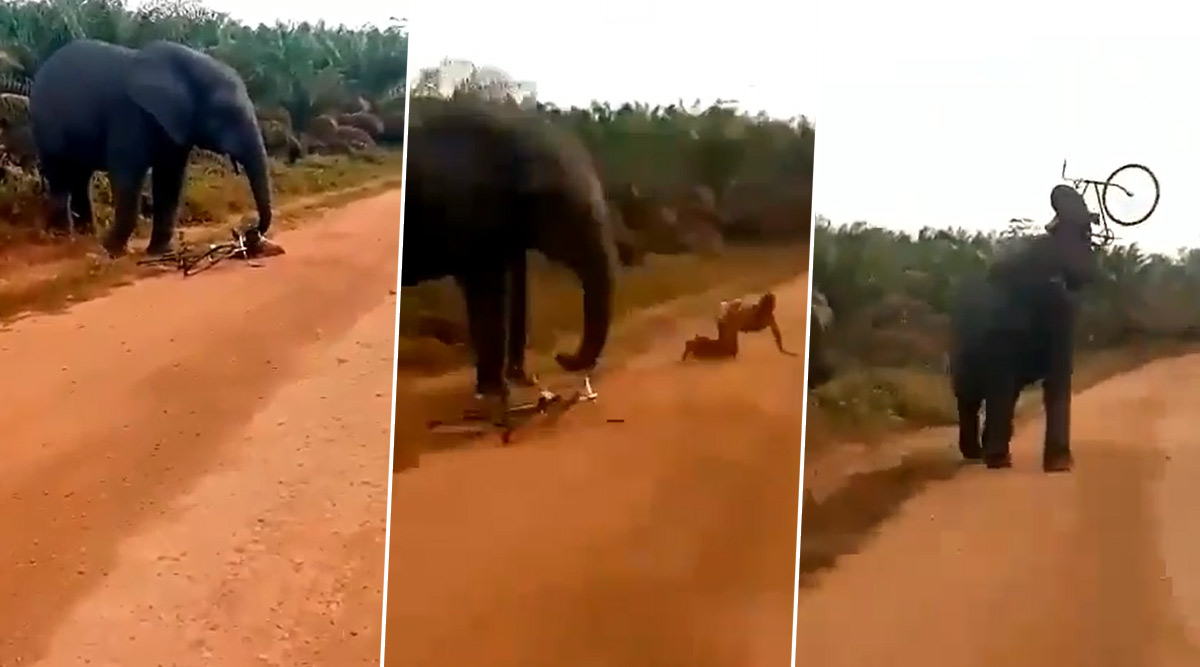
(210, 258)
(172, 260)
(1122, 196)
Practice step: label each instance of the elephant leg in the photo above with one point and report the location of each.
(518, 324)
(485, 295)
(999, 407)
(127, 189)
(58, 199)
(81, 203)
(166, 183)
(968, 426)
(1056, 397)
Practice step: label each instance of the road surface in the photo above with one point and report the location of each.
(1096, 568)
(667, 540)
(195, 470)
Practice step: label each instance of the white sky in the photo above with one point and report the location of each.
(921, 125)
(631, 50)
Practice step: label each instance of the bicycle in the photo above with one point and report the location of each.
(549, 405)
(245, 244)
(1103, 188)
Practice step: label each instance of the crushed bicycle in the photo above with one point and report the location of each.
(246, 243)
(549, 406)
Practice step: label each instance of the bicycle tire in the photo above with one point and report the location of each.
(210, 258)
(1104, 195)
(172, 260)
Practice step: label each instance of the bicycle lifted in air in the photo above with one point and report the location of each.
(1110, 189)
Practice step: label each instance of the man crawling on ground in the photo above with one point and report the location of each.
(737, 316)
(753, 318)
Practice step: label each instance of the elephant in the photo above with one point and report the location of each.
(485, 185)
(820, 370)
(97, 106)
(1015, 327)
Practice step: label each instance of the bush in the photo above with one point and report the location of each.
(680, 171)
(892, 294)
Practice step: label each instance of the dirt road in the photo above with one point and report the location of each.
(667, 540)
(195, 471)
(998, 568)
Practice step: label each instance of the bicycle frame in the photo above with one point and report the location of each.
(549, 404)
(1099, 187)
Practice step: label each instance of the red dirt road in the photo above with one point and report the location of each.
(1100, 567)
(664, 541)
(195, 470)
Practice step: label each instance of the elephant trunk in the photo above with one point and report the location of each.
(254, 163)
(596, 272)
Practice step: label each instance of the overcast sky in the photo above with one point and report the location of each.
(632, 50)
(924, 126)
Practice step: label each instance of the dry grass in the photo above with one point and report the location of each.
(556, 300)
(42, 273)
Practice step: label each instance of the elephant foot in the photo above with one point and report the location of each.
(1058, 462)
(998, 461)
(520, 378)
(158, 248)
(487, 407)
(114, 250)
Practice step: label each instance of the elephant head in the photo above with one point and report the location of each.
(1071, 237)
(199, 101)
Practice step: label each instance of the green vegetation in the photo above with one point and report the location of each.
(335, 92)
(700, 192)
(891, 293)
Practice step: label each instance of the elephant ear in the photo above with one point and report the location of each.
(156, 87)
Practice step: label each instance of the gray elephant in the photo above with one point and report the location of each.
(101, 107)
(1016, 327)
(820, 370)
(484, 186)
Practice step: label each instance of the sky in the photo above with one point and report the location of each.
(626, 50)
(922, 126)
